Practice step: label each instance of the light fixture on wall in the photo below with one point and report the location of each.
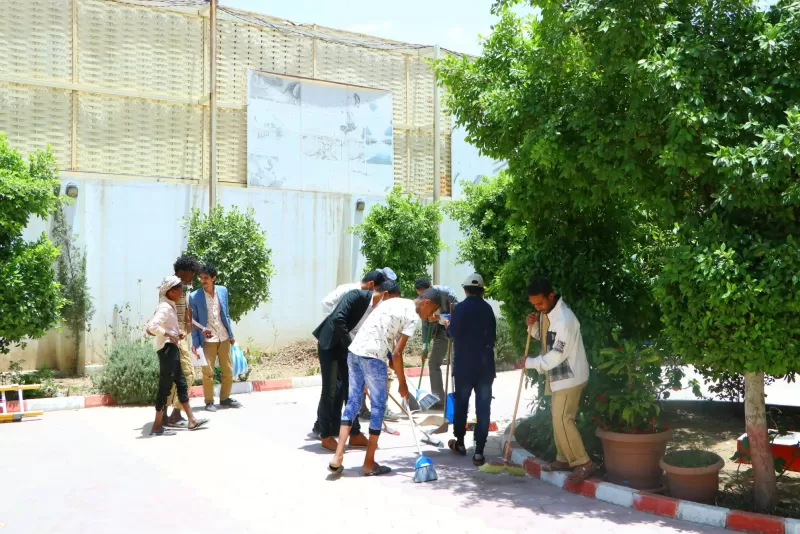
(72, 190)
(360, 204)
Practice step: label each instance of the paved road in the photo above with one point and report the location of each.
(254, 470)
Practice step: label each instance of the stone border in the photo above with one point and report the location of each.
(53, 404)
(652, 503)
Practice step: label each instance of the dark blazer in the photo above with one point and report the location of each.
(334, 331)
(474, 331)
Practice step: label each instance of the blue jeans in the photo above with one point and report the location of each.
(464, 386)
(373, 373)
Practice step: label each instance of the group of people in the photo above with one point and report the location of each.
(201, 317)
(361, 343)
(364, 336)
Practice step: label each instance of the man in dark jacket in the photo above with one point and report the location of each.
(473, 329)
(334, 335)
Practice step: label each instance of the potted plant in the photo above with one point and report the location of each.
(693, 475)
(627, 414)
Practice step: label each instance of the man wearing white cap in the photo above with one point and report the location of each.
(472, 327)
(164, 326)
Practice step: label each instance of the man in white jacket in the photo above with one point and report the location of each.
(563, 358)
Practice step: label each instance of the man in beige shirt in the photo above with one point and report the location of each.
(213, 332)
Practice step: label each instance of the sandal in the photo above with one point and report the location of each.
(336, 469)
(182, 424)
(457, 448)
(162, 432)
(478, 459)
(198, 423)
(378, 470)
(555, 466)
(581, 473)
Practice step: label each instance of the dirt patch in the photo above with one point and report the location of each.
(75, 386)
(297, 359)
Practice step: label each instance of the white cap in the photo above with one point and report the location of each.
(473, 280)
(168, 283)
(388, 273)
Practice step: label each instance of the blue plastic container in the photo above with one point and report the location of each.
(450, 408)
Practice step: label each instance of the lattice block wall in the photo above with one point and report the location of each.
(143, 50)
(421, 93)
(365, 67)
(139, 137)
(400, 159)
(34, 117)
(242, 46)
(421, 163)
(232, 145)
(36, 37)
(445, 166)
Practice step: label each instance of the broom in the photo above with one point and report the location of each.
(506, 466)
(423, 467)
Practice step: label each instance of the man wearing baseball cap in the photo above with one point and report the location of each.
(472, 327)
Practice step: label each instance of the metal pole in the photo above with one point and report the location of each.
(212, 110)
(437, 156)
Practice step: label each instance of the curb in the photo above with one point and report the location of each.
(53, 404)
(652, 503)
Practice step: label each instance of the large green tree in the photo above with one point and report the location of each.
(30, 297)
(667, 131)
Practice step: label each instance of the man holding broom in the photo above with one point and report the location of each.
(444, 300)
(564, 360)
(385, 331)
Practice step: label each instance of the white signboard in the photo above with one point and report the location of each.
(318, 136)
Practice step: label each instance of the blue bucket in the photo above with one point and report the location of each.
(450, 408)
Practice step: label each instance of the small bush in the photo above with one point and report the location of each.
(131, 372)
(505, 355)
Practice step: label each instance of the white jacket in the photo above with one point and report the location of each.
(565, 361)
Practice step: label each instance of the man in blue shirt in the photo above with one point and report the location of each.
(472, 327)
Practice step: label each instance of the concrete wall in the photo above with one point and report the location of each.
(132, 234)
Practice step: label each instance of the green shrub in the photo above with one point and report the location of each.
(131, 372)
(43, 376)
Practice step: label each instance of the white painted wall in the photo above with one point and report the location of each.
(132, 234)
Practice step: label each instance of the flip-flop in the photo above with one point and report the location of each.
(335, 469)
(182, 424)
(581, 473)
(454, 446)
(555, 466)
(198, 424)
(163, 432)
(377, 471)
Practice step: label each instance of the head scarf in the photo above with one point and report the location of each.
(166, 284)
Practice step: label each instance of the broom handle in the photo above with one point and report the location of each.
(447, 378)
(507, 454)
(428, 348)
(413, 425)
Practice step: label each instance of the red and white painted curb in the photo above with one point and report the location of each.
(53, 404)
(652, 503)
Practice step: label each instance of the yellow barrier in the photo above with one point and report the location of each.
(17, 416)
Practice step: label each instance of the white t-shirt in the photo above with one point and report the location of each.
(332, 299)
(388, 321)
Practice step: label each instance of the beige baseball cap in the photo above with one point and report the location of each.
(473, 280)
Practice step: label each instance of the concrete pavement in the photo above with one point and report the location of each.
(255, 470)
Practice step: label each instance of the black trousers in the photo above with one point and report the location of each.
(170, 372)
(335, 387)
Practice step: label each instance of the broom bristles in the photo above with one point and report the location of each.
(501, 467)
(425, 473)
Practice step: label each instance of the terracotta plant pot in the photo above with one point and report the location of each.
(632, 459)
(693, 475)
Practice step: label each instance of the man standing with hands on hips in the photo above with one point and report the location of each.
(212, 331)
(563, 358)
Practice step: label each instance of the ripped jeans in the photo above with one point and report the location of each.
(372, 372)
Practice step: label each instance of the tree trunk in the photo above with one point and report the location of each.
(755, 416)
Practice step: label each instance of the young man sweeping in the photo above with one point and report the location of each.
(334, 335)
(564, 360)
(186, 268)
(473, 328)
(386, 330)
(164, 326)
(444, 299)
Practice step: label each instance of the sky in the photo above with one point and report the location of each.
(453, 24)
